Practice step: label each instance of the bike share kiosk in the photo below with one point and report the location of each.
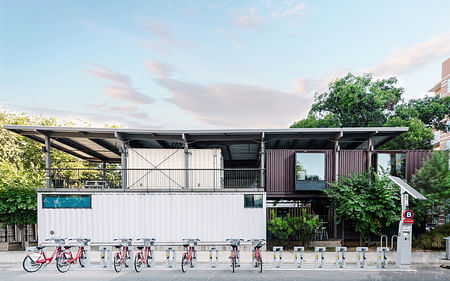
(405, 225)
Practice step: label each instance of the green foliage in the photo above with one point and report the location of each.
(358, 101)
(430, 110)
(433, 181)
(434, 239)
(288, 228)
(368, 200)
(419, 136)
(18, 205)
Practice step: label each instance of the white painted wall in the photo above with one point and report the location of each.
(168, 217)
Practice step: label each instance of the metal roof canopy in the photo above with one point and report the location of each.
(406, 187)
(103, 144)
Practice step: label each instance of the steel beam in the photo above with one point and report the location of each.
(263, 161)
(106, 145)
(83, 149)
(48, 161)
(124, 155)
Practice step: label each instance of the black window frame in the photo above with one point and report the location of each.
(302, 185)
(253, 205)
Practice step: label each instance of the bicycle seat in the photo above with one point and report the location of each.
(118, 246)
(258, 246)
(40, 247)
(186, 244)
(140, 247)
(234, 244)
(67, 247)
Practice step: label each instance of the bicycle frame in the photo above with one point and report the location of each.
(189, 251)
(77, 256)
(257, 254)
(43, 259)
(123, 253)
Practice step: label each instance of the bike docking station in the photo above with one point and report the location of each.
(361, 257)
(171, 256)
(321, 251)
(82, 242)
(277, 251)
(296, 256)
(214, 249)
(340, 257)
(143, 244)
(105, 256)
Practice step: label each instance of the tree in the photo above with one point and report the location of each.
(358, 101)
(368, 200)
(433, 181)
(419, 136)
(430, 110)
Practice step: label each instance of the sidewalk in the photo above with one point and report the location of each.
(418, 258)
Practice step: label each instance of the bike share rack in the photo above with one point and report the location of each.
(382, 252)
(321, 251)
(254, 243)
(302, 256)
(147, 243)
(277, 251)
(127, 242)
(361, 258)
(171, 259)
(216, 263)
(340, 257)
(82, 242)
(105, 256)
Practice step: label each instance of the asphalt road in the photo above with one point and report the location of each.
(423, 273)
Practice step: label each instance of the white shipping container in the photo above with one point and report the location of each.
(168, 217)
(166, 169)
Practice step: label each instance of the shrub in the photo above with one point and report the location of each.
(433, 239)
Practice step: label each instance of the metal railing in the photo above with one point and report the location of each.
(158, 179)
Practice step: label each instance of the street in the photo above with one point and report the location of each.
(422, 273)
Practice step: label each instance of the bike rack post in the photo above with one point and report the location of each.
(211, 250)
(382, 257)
(302, 256)
(361, 263)
(105, 256)
(322, 251)
(340, 257)
(279, 250)
(88, 256)
(173, 262)
(392, 241)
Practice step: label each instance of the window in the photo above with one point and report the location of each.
(253, 201)
(448, 86)
(309, 171)
(68, 201)
(393, 164)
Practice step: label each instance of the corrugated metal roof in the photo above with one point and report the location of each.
(102, 144)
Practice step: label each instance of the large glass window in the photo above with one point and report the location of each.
(73, 201)
(253, 201)
(393, 164)
(309, 171)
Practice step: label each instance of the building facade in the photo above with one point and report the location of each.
(206, 184)
(442, 89)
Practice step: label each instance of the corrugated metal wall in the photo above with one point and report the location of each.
(168, 217)
(352, 161)
(414, 161)
(280, 167)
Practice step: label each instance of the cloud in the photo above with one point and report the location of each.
(404, 60)
(291, 10)
(236, 105)
(121, 88)
(249, 19)
(306, 86)
(163, 70)
(163, 40)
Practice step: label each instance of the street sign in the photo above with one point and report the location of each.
(409, 216)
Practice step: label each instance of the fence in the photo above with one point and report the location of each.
(10, 233)
(157, 178)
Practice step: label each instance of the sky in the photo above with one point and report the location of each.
(208, 64)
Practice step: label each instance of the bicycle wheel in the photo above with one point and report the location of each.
(138, 262)
(260, 263)
(62, 262)
(184, 262)
(29, 263)
(233, 263)
(117, 263)
(83, 258)
(149, 259)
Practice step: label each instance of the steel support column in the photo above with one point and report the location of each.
(123, 156)
(263, 162)
(48, 161)
(186, 161)
(369, 153)
(104, 173)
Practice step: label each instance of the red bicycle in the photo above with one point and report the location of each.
(35, 259)
(257, 244)
(142, 257)
(123, 255)
(234, 252)
(189, 253)
(65, 260)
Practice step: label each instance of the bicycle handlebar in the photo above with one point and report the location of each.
(191, 239)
